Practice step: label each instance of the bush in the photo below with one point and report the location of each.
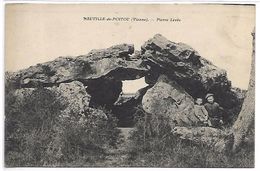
(38, 133)
(153, 145)
(83, 141)
(28, 126)
(150, 132)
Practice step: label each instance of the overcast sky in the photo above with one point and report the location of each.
(40, 33)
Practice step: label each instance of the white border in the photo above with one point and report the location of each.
(135, 1)
(2, 3)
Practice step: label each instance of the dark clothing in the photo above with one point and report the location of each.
(215, 113)
(215, 122)
(214, 110)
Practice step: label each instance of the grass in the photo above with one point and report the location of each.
(35, 135)
(190, 156)
(161, 149)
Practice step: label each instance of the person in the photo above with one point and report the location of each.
(201, 113)
(215, 112)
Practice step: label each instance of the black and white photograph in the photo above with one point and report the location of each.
(129, 85)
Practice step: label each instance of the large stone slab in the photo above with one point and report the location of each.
(115, 62)
(216, 139)
(73, 95)
(185, 65)
(167, 98)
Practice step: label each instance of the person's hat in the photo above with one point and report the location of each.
(208, 95)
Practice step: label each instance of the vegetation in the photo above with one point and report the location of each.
(38, 133)
(153, 146)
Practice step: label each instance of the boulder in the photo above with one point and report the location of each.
(246, 118)
(184, 65)
(104, 92)
(217, 139)
(73, 95)
(115, 62)
(102, 71)
(167, 98)
(127, 105)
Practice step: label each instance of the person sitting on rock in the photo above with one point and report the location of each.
(201, 113)
(214, 111)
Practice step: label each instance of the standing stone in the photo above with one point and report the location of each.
(167, 98)
(74, 95)
(245, 120)
(189, 69)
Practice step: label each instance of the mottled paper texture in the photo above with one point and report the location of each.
(129, 85)
(36, 33)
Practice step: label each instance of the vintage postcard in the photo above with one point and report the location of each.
(129, 85)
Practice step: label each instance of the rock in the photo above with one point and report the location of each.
(215, 138)
(113, 62)
(231, 113)
(73, 95)
(199, 135)
(246, 118)
(240, 93)
(96, 114)
(20, 94)
(152, 76)
(104, 92)
(102, 71)
(184, 65)
(125, 98)
(118, 51)
(126, 106)
(167, 98)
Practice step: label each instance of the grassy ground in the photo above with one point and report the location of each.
(37, 135)
(178, 155)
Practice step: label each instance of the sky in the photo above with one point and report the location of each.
(39, 33)
(132, 86)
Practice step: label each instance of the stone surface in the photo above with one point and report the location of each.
(183, 64)
(73, 95)
(104, 92)
(246, 118)
(115, 62)
(211, 137)
(126, 106)
(102, 71)
(167, 98)
(182, 61)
